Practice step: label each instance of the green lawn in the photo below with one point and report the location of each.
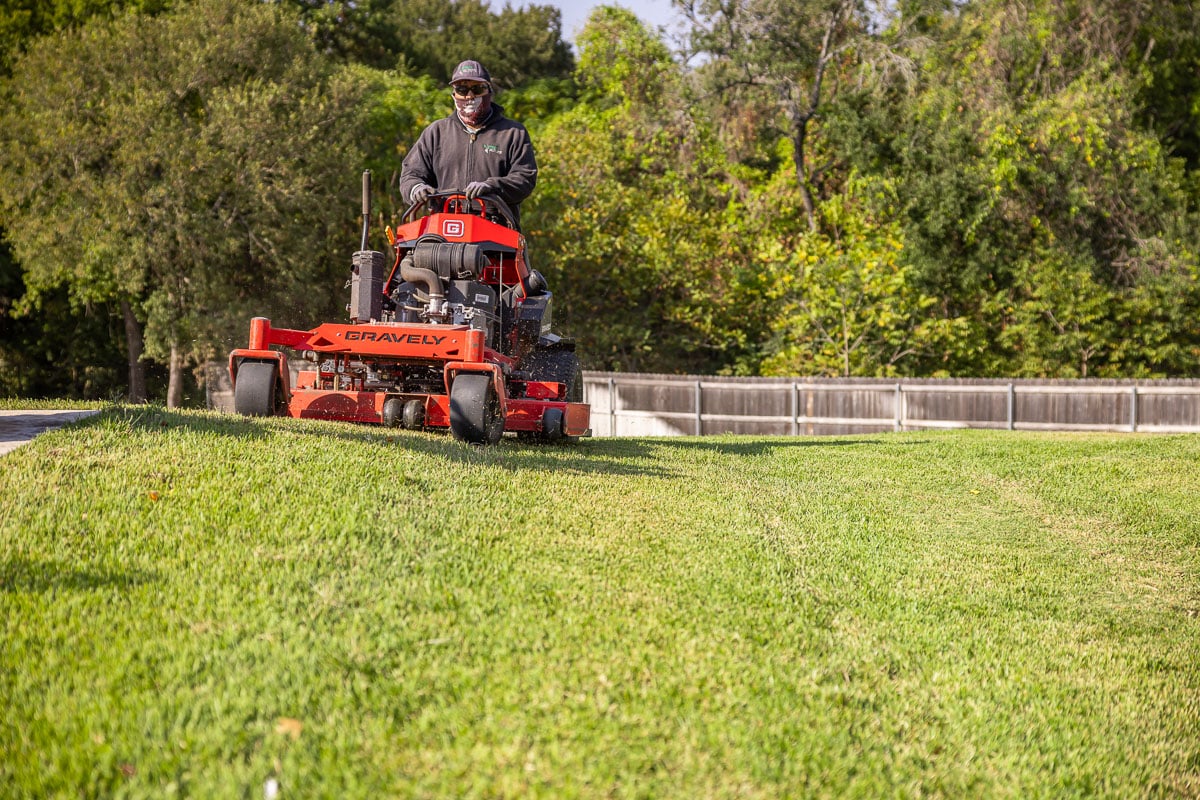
(193, 605)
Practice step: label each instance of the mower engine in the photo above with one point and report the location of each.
(441, 287)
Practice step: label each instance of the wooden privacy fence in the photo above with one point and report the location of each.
(625, 404)
(664, 405)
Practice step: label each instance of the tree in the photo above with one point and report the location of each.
(630, 220)
(55, 351)
(1165, 55)
(183, 167)
(516, 45)
(1036, 207)
(22, 21)
(352, 31)
(769, 53)
(849, 305)
(1100, 211)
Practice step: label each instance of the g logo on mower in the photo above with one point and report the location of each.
(452, 227)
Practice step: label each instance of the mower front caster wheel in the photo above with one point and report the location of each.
(254, 393)
(475, 410)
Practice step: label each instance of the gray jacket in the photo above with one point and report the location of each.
(447, 156)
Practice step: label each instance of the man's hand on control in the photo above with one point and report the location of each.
(420, 193)
(476, 188)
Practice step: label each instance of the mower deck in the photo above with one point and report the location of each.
(336, 391)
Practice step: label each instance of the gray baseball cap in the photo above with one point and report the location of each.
(470, 71)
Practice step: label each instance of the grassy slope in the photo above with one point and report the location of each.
(196, 604)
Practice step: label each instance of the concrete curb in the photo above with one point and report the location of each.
(18, 427)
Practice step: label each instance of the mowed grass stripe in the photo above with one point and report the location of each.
(193, 604)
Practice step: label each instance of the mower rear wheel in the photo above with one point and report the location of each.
(254, 393)
(558, 366)
(475, 410)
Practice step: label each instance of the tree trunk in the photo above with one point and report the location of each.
(834, 30)
(845, 344)
(175, 381)
(799, 137)
(135, 346)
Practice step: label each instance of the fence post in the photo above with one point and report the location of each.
(612, 406)
(1012, 407)
(795, 409)
(699, 409)
(1133, 409)
(899, 408)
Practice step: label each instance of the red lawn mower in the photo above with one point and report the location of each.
(456, 334)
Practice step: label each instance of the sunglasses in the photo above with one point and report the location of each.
(462, 90)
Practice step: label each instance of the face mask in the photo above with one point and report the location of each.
(473, 110)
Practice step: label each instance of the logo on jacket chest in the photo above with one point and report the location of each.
(491, 148)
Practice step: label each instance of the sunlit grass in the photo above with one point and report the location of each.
(194, 604)
(27, 404)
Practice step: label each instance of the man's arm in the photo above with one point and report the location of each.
(522, 172)
(418, 165)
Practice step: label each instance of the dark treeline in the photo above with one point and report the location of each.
(807, 187)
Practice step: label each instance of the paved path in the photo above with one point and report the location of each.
(18, 427)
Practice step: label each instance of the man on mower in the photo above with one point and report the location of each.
(476, 149)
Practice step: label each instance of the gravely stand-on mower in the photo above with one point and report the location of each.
(456, 334)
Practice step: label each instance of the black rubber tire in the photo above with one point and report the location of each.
(414, 415)
(255, 391)
(393, 407)
(475, 410)
(552, 425)
(559, 366)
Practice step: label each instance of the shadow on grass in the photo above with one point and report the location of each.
(157, 419)
(605, 456)
(21, 574)
(647, 456)
(510, 454)
(761, 445)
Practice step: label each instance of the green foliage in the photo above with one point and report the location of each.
(1036, 209)
(1166, 56)
(516, 44)
(398, 107)
(1099, 202)
(354, 31)
(935, 188)
(879, 616)
(1157, 334)
(537, 102)
(850, 304)
(631, 220)
(429, 37)
(773, 65)
(1031, 217)
(22, 21)
(56, 350)
(149, 162)
(624, 61)
(1062, 322)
